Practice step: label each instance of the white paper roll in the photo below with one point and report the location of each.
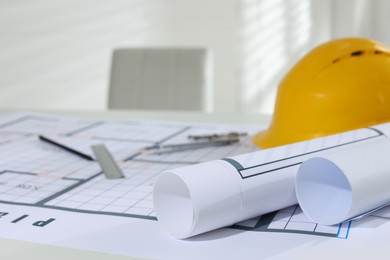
(344, 184)
(197, 198)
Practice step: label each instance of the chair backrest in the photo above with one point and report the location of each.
(160, 78)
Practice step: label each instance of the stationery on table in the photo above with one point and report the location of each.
(112, 170)
(59, 198)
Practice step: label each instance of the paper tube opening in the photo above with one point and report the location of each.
(198, 198)
(323, 191)
(172, 198)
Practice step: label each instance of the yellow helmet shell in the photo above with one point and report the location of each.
(339, 86)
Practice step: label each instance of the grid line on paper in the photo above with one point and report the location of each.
(32, 124)
(291, 220)
(129, 196)
(28, 188)
(15, 121)
(82, 129)
(131, 132)
(71, 187)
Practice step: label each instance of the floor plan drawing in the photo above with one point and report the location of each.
(37, 174)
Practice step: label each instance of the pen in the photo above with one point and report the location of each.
(217, 136)
(110, 168)
(67, 148)
(170, 148)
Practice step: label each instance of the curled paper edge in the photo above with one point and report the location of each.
(345, 184)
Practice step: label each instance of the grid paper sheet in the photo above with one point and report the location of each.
(39, 174)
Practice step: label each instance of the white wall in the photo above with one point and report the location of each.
(55, 54)
(275, 34)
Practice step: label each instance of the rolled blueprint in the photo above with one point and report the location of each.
(198, 198)
(342, 185)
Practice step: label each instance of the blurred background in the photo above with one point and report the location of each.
(56, 54)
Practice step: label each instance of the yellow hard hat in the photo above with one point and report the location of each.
(341, 85)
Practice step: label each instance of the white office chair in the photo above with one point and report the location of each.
(161, 78)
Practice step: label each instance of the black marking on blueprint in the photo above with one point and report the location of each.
(41, 203)
(77, 184)
(102, 212)
(164, 162)
(18, 203)
(43, 118)
(377, 130)
(320, 150)
(257, 228)
(129, 139)
(292, 231)
(5, 133)
(28, 117)
(15, 121)
(289, 219)
(132, 157)
(82, 129)
(19, 172)
(297, 163)
(234, 163)
(35, 174)
(261, 225)
(174, 135)
(121, 139)
(315, 228)
(5, 142)
(265, 220)
(276, 169)
(82, 210)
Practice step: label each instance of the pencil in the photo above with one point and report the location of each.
(67, 148)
